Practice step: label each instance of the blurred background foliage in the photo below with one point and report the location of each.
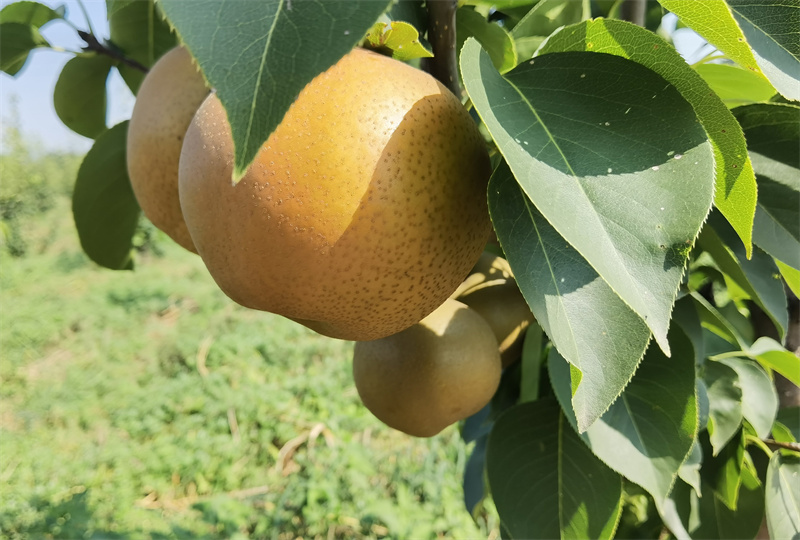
(147, 405)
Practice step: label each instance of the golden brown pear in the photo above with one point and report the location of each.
(441, 370)
(361, 213)
(167, 100)
(492, 292)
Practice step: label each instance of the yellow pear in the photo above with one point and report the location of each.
(362, 212)
(167, 100)
(440, 370)
(492, 292)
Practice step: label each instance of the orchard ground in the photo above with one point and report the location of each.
(146, 404)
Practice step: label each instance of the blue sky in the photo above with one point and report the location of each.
(29, 95)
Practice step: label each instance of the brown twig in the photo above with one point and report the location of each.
(94, 45)
(442, 37)
(775, 445)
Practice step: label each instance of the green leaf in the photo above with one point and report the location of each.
(103, 204)
(80, 94)
(783, 496)
(532, 361)
(543, 19)
(713, 20)
(686, 317)
(17, 40)
(398, 38)
(588, 323)
(790, 275)
(771, 30)
(734, 85)
(774, 356)
(547, 16)
(789, 417)
(712, 320)
(545, 482)
(626, 179)
(773, 140)
(139, 30)
(723, 471)
(719, 521)
(759, 398)
(725, 403)
(758, 278)
(689, 471)
(735, 187)
(648, 432)
(492, 37)
(474, 491)
(260, 55)
(29, 13)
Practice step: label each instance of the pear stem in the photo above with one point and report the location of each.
(442, 37)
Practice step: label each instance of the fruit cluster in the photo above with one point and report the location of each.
(360, 216)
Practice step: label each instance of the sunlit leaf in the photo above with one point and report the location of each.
(734, 85)
(759, 398)
(783, 496)
(587, 158)
(588, 323)
(735, 186)
(772, 30)
(492, 37)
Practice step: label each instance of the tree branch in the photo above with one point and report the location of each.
(442, 36)
(634, 11)
(92, 44)
(775, 445)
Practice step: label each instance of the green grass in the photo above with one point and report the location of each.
(146, 404)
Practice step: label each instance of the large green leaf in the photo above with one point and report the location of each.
(714, 20)
(612, 156)
(771, 30)
(723, 471)
(648, 432)
(588, 323)
(139, 30)
(773, 140)
(31, 13)
(260, 55)
(716, 520)
(773, 355)
(759, 398)
(545, 482)
(725, 402)
(757, 279)
(80, 94)
(103, 204)
(544, 18)
(494, 38)
(783, 496)
(735, 86)
(17, 40)
(735, 187)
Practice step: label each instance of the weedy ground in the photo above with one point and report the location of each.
(146, 404)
